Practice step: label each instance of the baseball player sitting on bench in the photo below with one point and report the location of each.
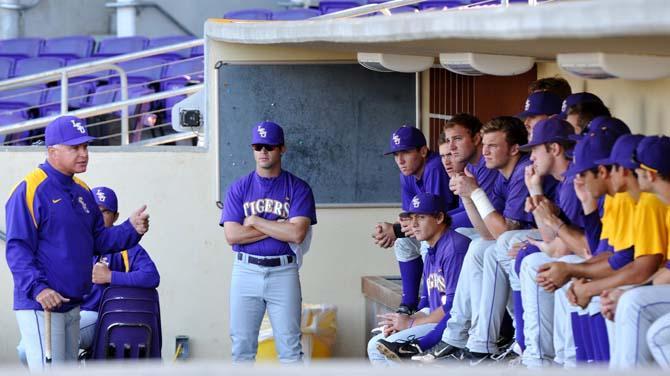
(549, 318)
(642, 314)
(405, 335)
(580, 108)
(632, 262)
(420, 172)
(502, 137)
(132, 267)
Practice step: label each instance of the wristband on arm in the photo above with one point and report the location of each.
(482, 203)
(397, 231)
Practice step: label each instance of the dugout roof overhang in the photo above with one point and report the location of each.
(614, 26)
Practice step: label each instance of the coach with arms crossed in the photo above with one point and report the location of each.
(266, 215)
(53, 230)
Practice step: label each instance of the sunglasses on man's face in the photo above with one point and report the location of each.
(259, 147)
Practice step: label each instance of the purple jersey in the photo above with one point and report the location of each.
(133, 268)
(442, 268)
(509, 195)
(571, 208)
(433, 180)
(486, 177)
(283, 197)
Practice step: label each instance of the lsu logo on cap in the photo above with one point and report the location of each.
(76, 125)
(262, 131)
(564, 106)
(416, 202)
(396, 139)
(526, 107)
(101, 195)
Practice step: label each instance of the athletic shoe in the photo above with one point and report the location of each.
(475, 358)
(399, 350)
(507, 354)
(405, 310)
(441, 351)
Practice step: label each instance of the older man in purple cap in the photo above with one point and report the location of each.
(53, 231)
(267, 217)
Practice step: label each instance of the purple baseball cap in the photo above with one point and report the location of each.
(106, 198)
(652, 154)
(406, 138)
(267, 133)
(623, 152)
(541, 103)
(602, 123)
(67, 130)
(595, 146)
(550, 130)
(425, 203)
(578, 98)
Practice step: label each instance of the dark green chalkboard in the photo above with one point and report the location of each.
(337, 118)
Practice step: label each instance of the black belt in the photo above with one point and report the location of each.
(265, 261)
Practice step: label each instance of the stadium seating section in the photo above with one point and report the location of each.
(27, 56)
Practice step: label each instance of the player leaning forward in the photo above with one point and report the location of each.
(53, 229)
(266, 217)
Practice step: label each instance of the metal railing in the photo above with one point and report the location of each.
(105, 64)
(385, 8)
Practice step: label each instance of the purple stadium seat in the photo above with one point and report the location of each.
(143, 71)
(128, 315)
(440, 4)
(77, 98)
(173, 39)
(106, 94)
(198, 51)
(295, 14)
(6, 68)
(122, 334)
(102, 75)
(22, 99)
(72, 47)
(249, 14)
(21, 47)
(14, 138)
(332, 6)
(120, 46)
(103, 94)
(25, 67)
(183, 72)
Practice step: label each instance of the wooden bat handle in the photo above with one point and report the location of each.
(47, 335)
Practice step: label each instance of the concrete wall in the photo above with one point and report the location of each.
(65, 17)
(192, 14)
(55, 18)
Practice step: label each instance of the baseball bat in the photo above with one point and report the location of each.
(47, 336)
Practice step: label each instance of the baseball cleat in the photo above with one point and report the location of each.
(441, 351)
(399, 350)
(475, 358)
